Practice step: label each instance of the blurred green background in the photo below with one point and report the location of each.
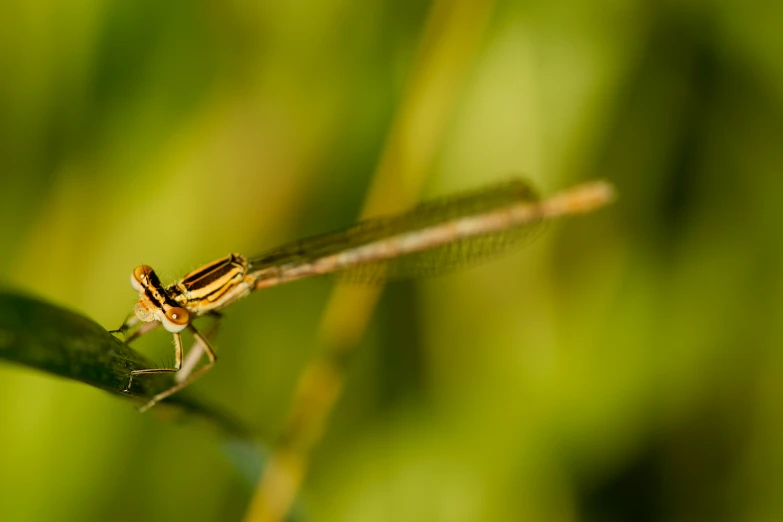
(626, 366)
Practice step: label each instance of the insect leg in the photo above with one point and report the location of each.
(194, 355)
(177, 362)
(193, 376)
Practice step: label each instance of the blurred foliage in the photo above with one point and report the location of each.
(625, 366)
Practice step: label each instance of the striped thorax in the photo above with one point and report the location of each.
(214, 286)
(208, 288)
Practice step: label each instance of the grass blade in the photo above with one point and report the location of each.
(61, 342)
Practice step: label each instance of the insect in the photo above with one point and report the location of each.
(427, 240)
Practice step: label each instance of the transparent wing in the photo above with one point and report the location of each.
(388, 230)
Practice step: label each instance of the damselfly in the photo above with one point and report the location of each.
(429, 239)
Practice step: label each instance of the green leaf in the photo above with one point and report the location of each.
(56, 340)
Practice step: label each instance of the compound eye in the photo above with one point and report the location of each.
(140, 277)
(175, 319)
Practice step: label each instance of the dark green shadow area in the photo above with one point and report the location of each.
(58, 341)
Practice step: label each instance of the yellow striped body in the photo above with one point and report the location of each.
(213, 286)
